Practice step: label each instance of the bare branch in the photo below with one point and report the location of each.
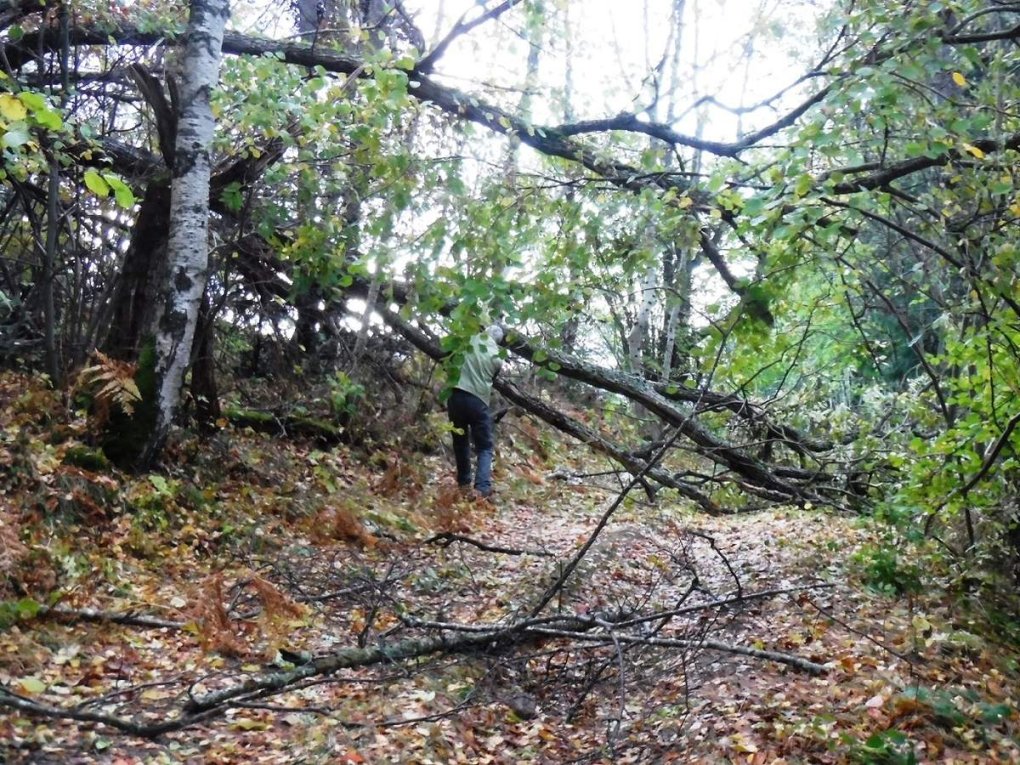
(446, 538)
(460, 28)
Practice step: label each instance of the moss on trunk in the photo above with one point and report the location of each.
(124, 438)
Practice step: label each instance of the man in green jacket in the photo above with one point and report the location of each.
(468, 408)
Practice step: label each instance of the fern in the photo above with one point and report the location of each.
(112, 383)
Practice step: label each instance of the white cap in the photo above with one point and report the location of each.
(495, 332)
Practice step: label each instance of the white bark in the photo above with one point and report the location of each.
(678, 308)
(639, 332)
(189, 212)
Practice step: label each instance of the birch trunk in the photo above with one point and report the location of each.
(189, 214)
(638, 335)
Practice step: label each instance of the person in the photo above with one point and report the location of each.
(468, 409)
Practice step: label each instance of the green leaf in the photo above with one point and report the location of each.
(48, 119)
(34, 101)
(121, 191)
(247, 724)
(17, 135)
(32, 685)
(27, 608)
(96, 184)
(160, 484)
(995, 713)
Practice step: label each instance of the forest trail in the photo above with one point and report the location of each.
(258, 549)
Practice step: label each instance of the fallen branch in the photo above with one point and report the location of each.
(446, 538)
(108, 617)
(559, 420)
(611, 638)
(205, 706)
(575, 628)
(145, 730)
(273, 682)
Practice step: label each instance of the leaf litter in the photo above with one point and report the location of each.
(256, 554)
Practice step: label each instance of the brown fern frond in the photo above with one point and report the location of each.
(340, 523)
(112, 383)
(215, 630)
(12, 552)
(275, 603)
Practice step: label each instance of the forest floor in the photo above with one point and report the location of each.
(251, 551)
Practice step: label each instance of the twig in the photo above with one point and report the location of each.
(993, 454)
(584, 622)
(460, 28)
(986, 465)
(110, 617)
(860, 633)
(777, 656)
(446, 538)
(572, 564)
(722, 555)
(721, 603)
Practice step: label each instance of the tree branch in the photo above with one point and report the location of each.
(446, 538)
(460, 28)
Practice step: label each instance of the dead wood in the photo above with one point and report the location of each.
(446, 538)
(754, 475)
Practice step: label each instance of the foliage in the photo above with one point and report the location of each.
(345, 395)
(849, 274)
(112, 384)
(885, 569)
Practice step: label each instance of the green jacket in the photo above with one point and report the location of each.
(481, 364)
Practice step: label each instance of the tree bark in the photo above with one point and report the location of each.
(189, 214)
(135, 297)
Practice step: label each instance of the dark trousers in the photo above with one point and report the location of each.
(471, 416)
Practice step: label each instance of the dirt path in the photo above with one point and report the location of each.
(278, 565)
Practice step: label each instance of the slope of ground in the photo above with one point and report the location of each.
(131, 597)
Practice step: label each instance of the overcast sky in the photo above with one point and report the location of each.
(739, 52)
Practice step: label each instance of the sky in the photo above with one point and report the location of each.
(739, 52)
(736, 53)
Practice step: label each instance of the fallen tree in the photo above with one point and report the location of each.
(617, 633)
(755, 476)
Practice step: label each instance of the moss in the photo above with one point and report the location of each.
(125, 436)
(285, 424)
(86, 458)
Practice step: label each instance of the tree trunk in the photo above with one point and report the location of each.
(638, 335)
(203, 371)
(189, 214)
(677, 281)
(135, 299)
(54, 214)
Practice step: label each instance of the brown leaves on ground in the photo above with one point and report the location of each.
(339, 524)
(264, 549)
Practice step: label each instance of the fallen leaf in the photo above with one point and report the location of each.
(32, 685)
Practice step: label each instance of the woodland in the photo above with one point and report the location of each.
(757, 476)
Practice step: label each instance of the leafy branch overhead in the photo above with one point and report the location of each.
(757, 438)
